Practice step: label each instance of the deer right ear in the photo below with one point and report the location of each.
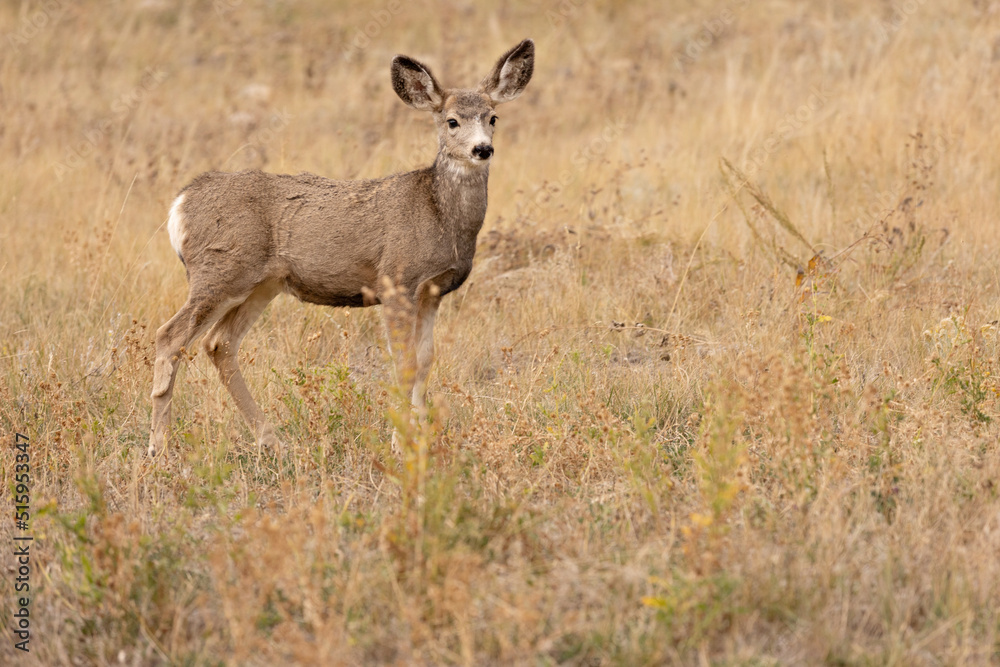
(415, 84)
(511, 73)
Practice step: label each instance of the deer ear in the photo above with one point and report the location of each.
(415, 84)
(511, 73)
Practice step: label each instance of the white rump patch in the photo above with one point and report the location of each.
(175, 226)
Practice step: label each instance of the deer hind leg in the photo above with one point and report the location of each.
(223, 344)
(179, 331)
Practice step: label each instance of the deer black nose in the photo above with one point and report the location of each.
(483, 151)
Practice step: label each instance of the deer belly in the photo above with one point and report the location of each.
(345, 291)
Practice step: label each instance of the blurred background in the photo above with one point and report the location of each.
(719, 390)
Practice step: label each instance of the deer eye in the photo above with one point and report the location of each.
(452, 123)
(493, 121)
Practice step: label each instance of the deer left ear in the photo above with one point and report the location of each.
(415, 84)
(511, 73)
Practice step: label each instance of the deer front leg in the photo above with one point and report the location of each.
(410, 331)
(423, 337)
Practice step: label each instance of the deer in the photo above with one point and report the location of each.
(409, 238)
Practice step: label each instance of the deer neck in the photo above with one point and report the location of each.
(460, 194)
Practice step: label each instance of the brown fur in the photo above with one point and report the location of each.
(249, 236)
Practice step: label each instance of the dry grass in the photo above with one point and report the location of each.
(721, 388)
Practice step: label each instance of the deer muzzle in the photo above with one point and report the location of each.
(482, 152)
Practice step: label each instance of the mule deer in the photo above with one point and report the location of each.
(246, 237)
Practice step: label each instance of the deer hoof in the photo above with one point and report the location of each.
(268, 439)
(155, 445)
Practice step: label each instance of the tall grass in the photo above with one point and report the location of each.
(721, 388)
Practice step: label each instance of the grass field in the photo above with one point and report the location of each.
(721, 389)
